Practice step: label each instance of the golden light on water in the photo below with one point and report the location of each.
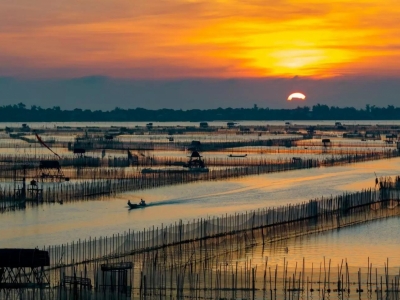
(296, 96)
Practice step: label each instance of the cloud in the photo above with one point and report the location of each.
(173, 38)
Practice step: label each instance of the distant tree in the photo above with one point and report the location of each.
(19, 113)
(320, 111)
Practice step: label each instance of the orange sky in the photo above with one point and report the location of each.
(195, 38)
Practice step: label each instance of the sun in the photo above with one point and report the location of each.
(296, 96)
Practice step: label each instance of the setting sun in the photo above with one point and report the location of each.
(296, 96)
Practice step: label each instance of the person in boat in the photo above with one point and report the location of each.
(129, 202)
(142, 202)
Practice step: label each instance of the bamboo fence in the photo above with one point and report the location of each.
(209, 258)
(276, 223)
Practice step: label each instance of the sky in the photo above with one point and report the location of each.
(125, 48)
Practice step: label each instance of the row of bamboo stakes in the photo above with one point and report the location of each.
(276, 222)
(119, 181)
(102, 166)
(10, 163)
(100, 143)
(229, 263)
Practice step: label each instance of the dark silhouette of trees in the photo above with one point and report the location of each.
(20, 113)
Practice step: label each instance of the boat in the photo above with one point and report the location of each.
(141, 204)
(237, 155)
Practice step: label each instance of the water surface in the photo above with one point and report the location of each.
(54, 223)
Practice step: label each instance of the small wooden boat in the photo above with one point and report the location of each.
(237, 155)
(141, 204)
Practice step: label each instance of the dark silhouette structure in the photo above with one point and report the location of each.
(22, 270)
(195, 161)
(50, 170)
(116, 277)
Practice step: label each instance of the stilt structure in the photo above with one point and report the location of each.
(50, 170)
(326, 143)
(35, 192)
(310, 132)
(79, 152)
(22, 272)
(116, 277)
(195, 161)
(20, 184)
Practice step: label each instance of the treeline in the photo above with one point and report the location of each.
(20, 113)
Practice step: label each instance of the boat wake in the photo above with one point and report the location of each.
(167, 202)
(200, 198)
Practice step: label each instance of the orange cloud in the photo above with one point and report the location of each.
(199, 38)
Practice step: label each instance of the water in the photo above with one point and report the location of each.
(376, 240)
(54, 223)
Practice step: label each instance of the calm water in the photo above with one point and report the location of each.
(55, 223)
(377, 240)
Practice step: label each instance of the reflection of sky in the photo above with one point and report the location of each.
(54, 223)
(376, 240)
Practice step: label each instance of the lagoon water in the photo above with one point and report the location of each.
(376, 241)
(51, 224)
